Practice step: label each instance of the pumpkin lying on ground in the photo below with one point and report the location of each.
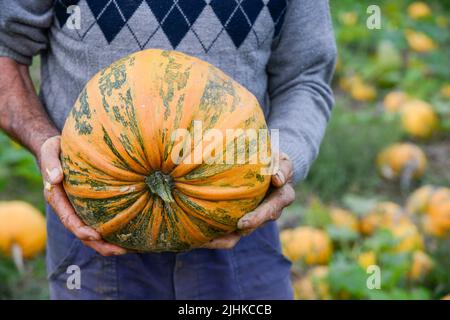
(401, 160)
(394, 101)
(419, 42)
(421, 265)
(437, 219)
(361, 91)
(310, 245)
(366, 259)
(314, 285)
(383, 215)
(433, 204)
(418, 10)
(419, 119)
(417, 202)
(22, 231)
(128, 178)
(407, 236)
(345, 219)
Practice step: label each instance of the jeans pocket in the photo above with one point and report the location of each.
(62, 246)
(57, 267)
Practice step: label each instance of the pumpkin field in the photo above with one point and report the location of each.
(376, 200)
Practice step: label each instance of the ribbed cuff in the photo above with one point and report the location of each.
(300, 164)
(7, 52)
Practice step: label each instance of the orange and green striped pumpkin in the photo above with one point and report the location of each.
(118, 158)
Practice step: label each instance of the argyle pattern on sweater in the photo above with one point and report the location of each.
(176, 18)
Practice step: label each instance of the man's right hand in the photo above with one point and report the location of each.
(56, 196)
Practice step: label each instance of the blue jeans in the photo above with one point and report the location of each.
(254, 269)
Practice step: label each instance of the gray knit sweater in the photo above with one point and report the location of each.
(282, 51)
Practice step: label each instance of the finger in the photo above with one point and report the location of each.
(58, 200)
(225, 242)
(269, 209)
(285, 171)
(104, 248)
(50, 163)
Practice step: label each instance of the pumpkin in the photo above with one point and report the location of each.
(437, 219)
(417, 202)
(382, 215)
(22, 231)
(342, 218)
(407, 236)
(349, 18)
(419, 41)
(142, 161)
(401, 160)
(433, 204)
(394, 100)
(419, 10)
(366, 259)
(348, 81)
(419, 119)
(361, 91)
(310, 245)
(421, 265)
(313, 286)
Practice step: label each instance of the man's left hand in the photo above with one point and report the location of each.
(270, 209)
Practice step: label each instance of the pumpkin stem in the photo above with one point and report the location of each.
(160, 184)
(407, 175)
(16, 253)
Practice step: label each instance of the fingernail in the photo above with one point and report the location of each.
(47, 186)
(53, 175)
(91, 238)
(280, 177)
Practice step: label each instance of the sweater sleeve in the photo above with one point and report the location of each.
(299, 70)
(23, 28)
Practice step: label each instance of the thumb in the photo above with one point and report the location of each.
(50, 164)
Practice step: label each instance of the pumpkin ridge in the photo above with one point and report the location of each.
(111, 134)
(90, 156)
(86, 191)
(79, 172)
(186, 205)
(124, 217)
(208, 192)
(191, 231)
(156, 219)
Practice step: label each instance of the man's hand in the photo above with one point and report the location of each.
(56, 196)
(270, 209)
(24, 119)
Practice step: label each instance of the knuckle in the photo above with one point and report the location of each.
(288, 194)
(274, 215)
(273, 208)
